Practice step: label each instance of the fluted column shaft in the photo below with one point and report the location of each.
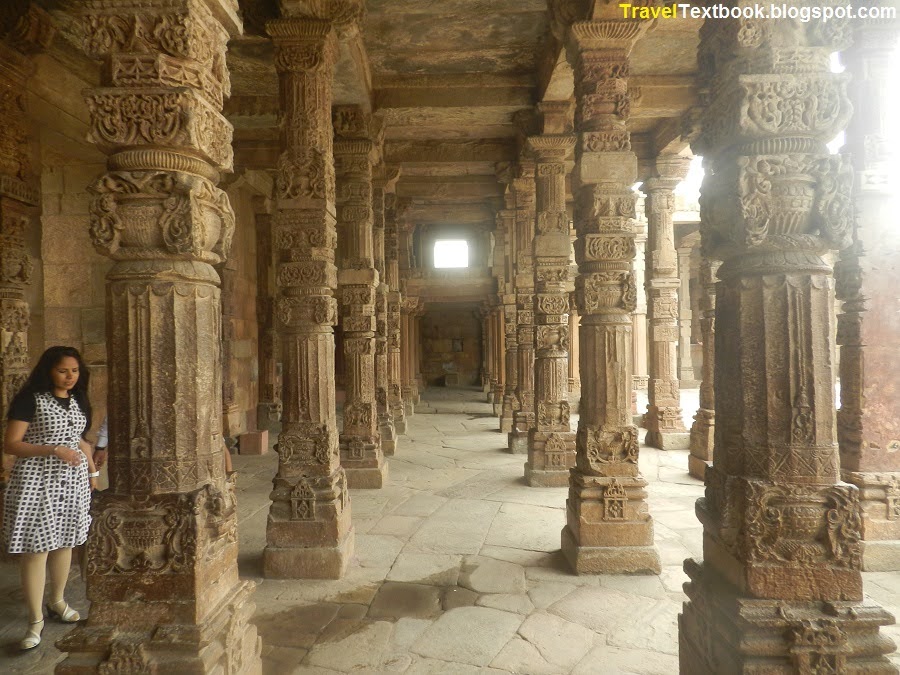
(779, 588)
(162, 572)
(551, 443)
(608, 526)
(665, 428)
(309, 534)
(868, 276)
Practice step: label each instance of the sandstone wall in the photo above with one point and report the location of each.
(451, 344)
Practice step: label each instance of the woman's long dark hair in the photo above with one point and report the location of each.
(39, 381)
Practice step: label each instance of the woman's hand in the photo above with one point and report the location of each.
(93, 483)
(68, 455)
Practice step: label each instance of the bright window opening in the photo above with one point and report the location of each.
(451, 253)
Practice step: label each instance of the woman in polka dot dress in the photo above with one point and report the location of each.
(46, 507)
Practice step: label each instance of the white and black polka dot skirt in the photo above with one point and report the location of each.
(47, 502)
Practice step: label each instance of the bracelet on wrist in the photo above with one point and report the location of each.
(94, 474)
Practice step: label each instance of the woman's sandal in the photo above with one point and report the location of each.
(32, 637)
(67, 615)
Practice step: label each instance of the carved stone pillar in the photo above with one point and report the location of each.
(779, 588)
(551, 443)
(162, 574)
(608, 526)
(408, 353)
(574, 321)
(868, 276)
(498, 386)
(24, 29)
(511, 359)
(486, 346)
(501, 244)
(394, 301)
(384, 181)
(665, 428)
(309, 533)
(704, 426)
(268, 411)
(640, 369)
(523, 417)
(417, 381)
(685, 317)
(355, 152)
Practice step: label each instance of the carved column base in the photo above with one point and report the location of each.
(496, 398)
(517, 442)
(609, 529)
(309, 534)
(409, 405)
(703, 432)
(388, 436)
(879, 498)
(722, 632)
(226, 642)
(164, 588)
(363, 463)
(550, 456)
(399, 414)
(507, 412)
(665, 429)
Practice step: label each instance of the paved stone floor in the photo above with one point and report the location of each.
(457, 569)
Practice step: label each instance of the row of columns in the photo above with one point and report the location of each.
(780, 581)
(772, 364)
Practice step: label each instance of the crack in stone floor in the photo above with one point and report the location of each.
(457, 569)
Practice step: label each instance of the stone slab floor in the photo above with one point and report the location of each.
(457, 569)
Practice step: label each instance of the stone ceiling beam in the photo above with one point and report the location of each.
(437, 152)
(448, 189)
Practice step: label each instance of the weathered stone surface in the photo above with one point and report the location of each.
(486, 575)
(473, 635)
(395, 600)
(560, 643)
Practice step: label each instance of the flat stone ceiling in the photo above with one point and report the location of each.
(449, 79)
